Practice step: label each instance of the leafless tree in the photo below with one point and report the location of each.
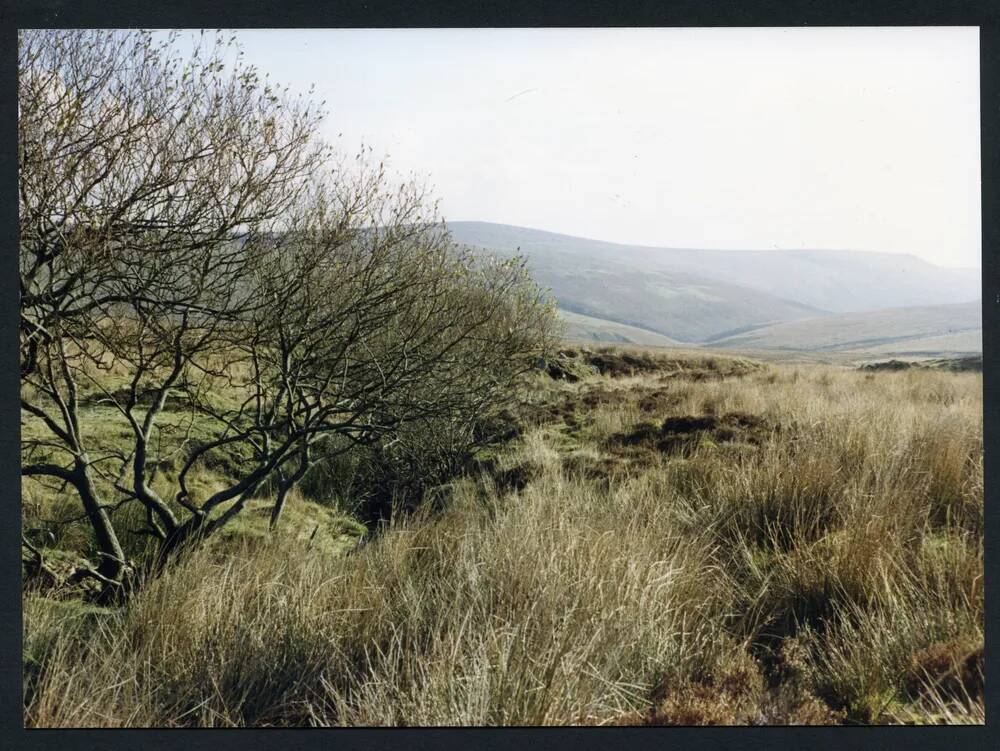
(194, 263)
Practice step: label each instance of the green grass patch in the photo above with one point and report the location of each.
(315, 526)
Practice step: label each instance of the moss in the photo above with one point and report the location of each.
(58, 567)
(312, 524)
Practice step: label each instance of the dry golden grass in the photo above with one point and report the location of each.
(819, 563)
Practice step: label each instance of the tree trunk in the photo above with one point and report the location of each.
(279, 505)
(112, 564)
(174, 541)
(285, 485)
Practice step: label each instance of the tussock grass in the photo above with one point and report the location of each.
(820, 564)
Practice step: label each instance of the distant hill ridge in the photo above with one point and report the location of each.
(696, 296)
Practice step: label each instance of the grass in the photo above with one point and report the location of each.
(638, 555)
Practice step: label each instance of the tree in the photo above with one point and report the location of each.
(186, 238)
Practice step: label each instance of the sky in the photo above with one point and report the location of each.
(851, 138)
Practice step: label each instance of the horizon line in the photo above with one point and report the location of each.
(721, 250)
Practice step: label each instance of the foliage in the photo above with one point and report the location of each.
(194, 261)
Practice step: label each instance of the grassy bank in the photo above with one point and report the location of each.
(670, 540)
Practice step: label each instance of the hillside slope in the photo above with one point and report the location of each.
(930, 328)
(585, 328)
(681, 305)
(685, 307)
(962, 343)
(826, 280)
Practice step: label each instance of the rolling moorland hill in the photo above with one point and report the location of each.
(696, 296)
(685, 307)
(585, 328)
(930, 328)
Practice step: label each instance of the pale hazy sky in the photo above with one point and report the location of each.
(703, 138)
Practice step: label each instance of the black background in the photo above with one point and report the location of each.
(431, 13)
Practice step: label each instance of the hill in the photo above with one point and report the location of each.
(961, 343)
(914, 330)
(697, 295)
(585, 328)
(684, 307)
(602, 281)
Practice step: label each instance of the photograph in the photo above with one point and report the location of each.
(500, 377)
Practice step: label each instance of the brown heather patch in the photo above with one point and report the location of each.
(658, 400)
(676, 434)
(952, 669)
(738, 696)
